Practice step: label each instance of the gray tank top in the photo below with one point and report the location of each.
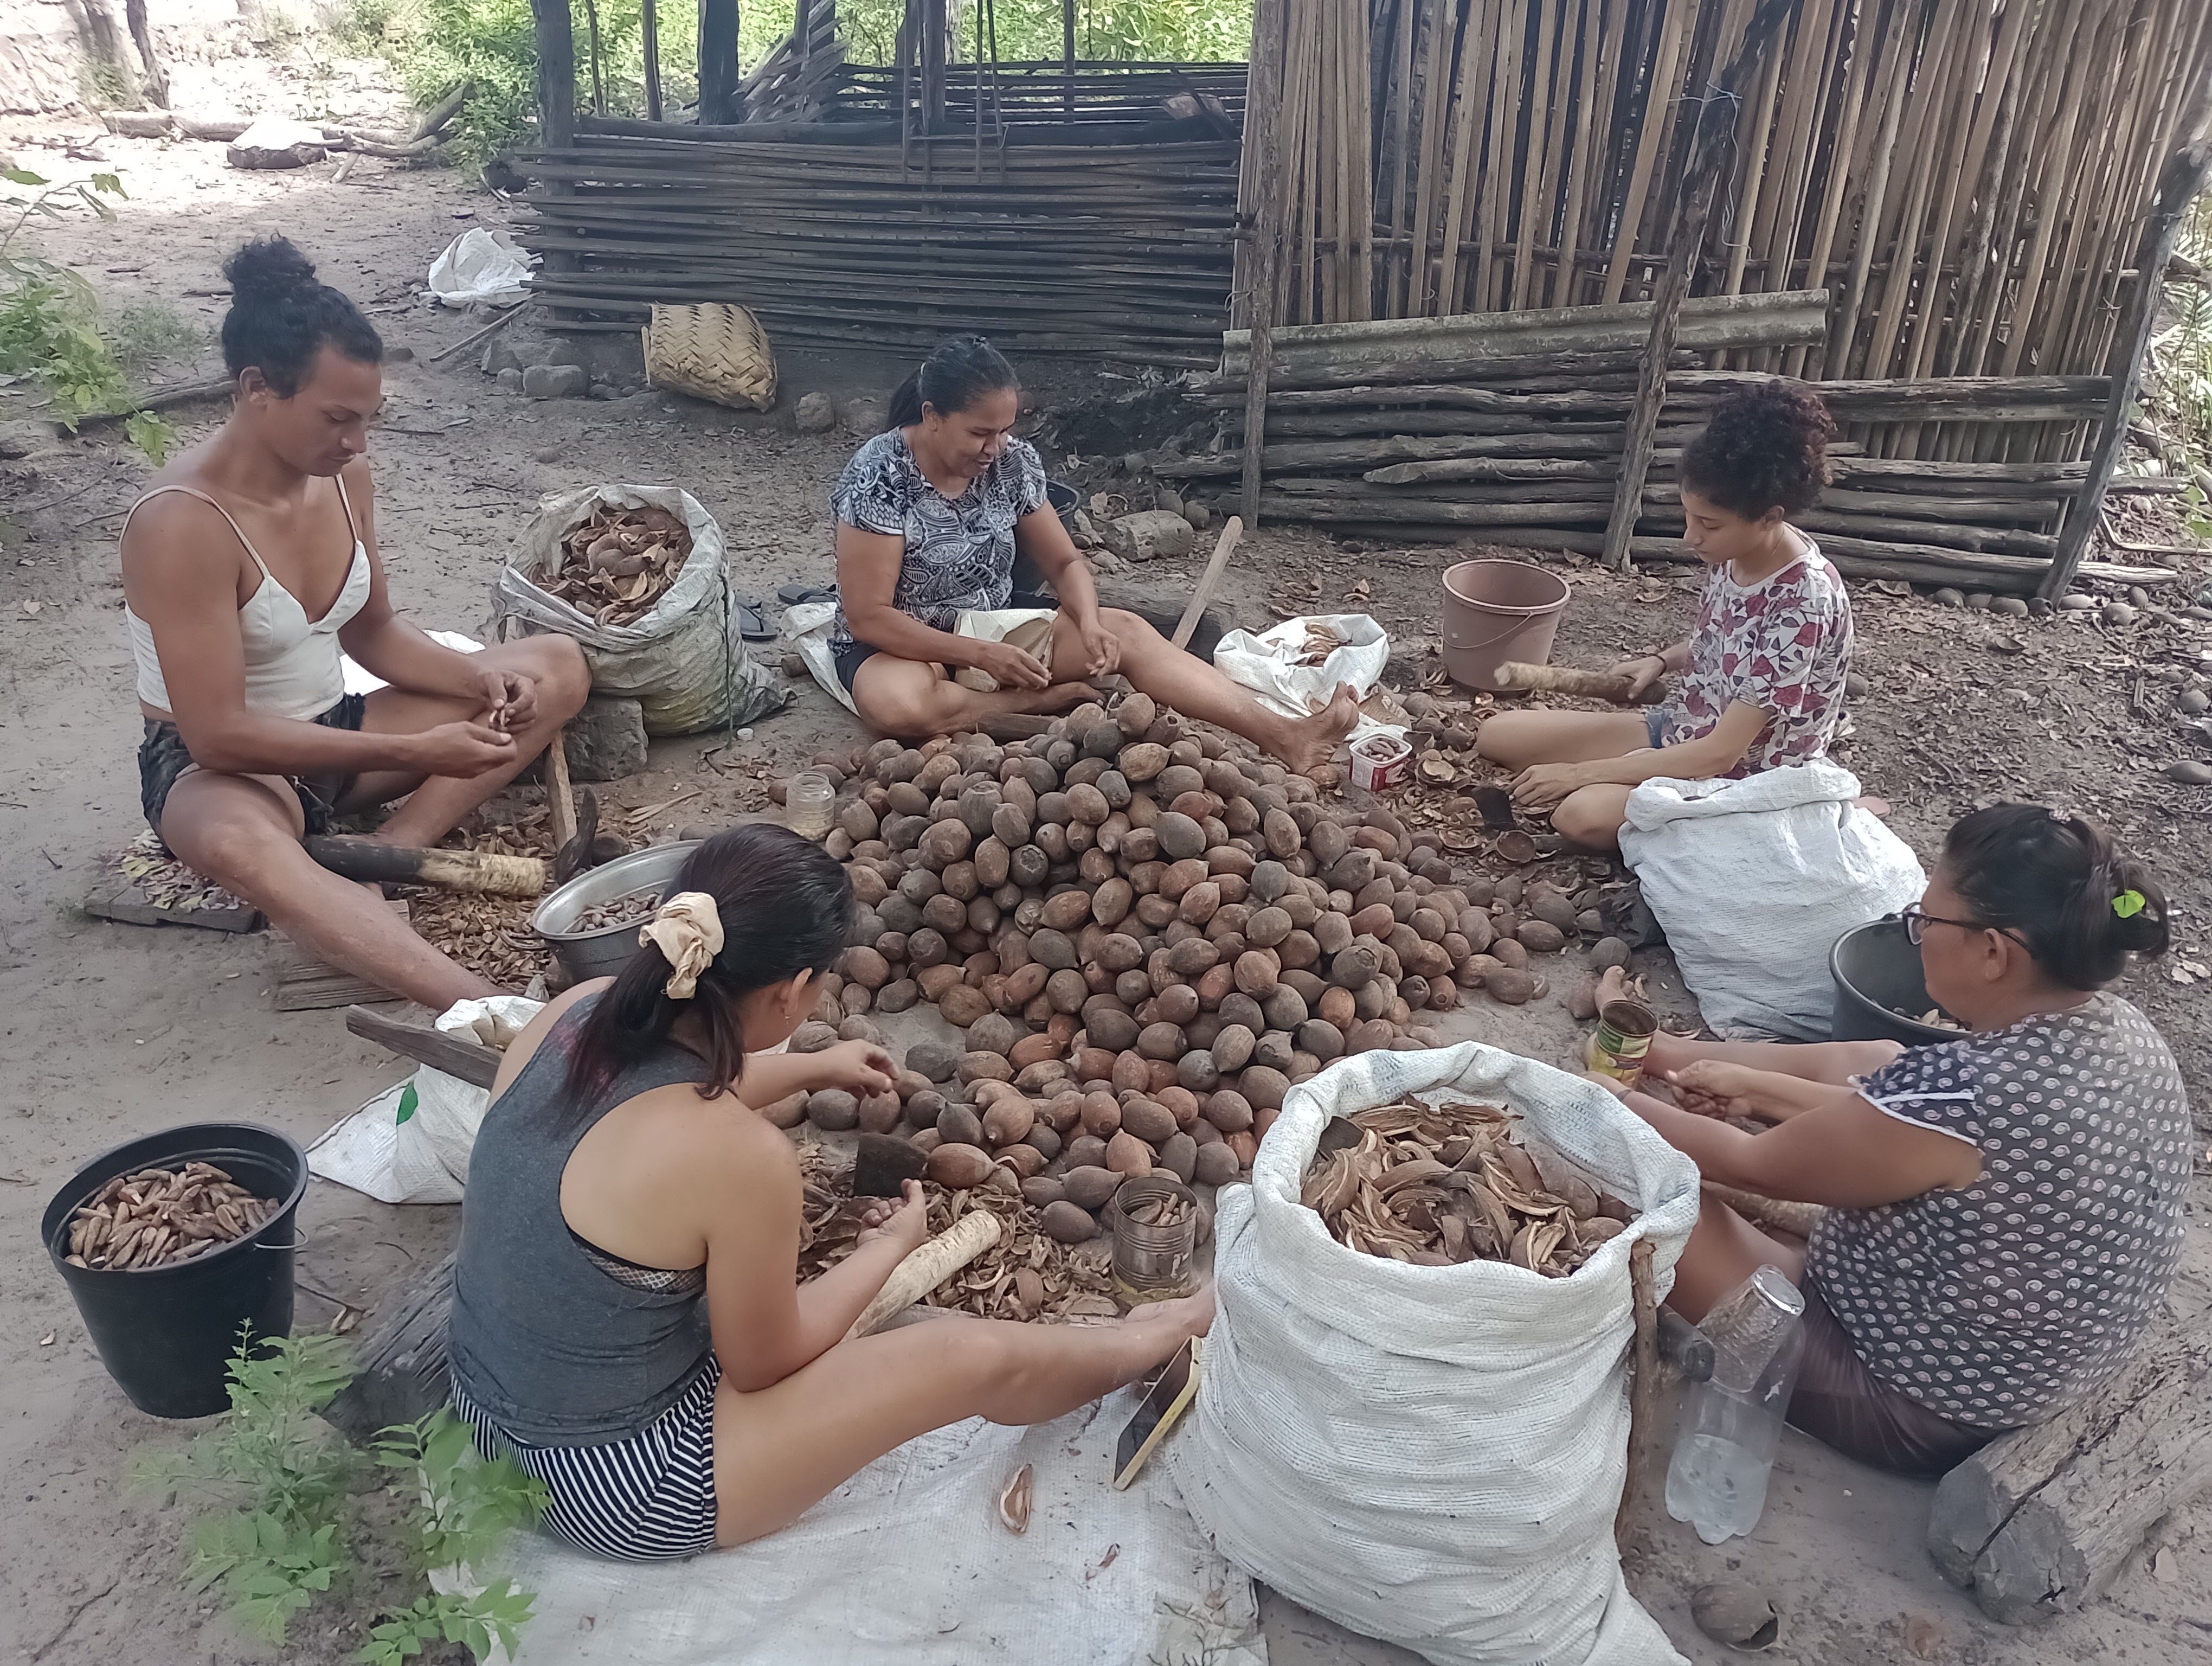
(553, 1347)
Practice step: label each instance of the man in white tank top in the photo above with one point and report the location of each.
(246, 568)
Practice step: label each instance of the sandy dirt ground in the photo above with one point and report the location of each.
(113, 1030)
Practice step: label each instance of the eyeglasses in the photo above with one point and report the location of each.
(1917, 921)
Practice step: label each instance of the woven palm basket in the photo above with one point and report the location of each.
(715, 351)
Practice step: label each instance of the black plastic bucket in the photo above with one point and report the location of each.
(1879, 980)
(166, 1333)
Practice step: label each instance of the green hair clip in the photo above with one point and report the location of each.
(2129, 904)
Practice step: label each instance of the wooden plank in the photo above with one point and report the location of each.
(556, 73)
(1208, 582)
(473, 1062)
(560, 798)
(118, 898)
(298, 983)
(1263, 101)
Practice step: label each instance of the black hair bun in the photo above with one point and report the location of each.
(270, 269)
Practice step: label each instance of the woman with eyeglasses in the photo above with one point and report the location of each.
(2004, 1212)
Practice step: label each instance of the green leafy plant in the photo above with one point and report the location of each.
(279, 1480)
(50, 316)
(280, 1490)
(465, 1506)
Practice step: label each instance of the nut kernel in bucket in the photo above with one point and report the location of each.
(157, 1217)
(1380, 763)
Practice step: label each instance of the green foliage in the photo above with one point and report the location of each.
(437, 43)
(278, 1482)
(279, 1488)
(49, 317)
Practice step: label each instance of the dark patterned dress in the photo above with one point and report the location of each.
(959, 550)
(1999, 1303)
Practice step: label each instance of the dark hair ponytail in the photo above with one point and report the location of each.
(2082, 904)
(785, 908)
(279, 317)
(959, 370)
(1765, 447)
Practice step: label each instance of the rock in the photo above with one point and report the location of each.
(1149, 535)
(607, 739)
(511, 380)
(1169, 499)
(1924, 1638)
(2038, 608)
(605, 391)
(547, 454)
(1197, 514)
(2189, 773)
(2077, 603)
(1855, 686)
(1736, 1613)
(864, 414)
(499, 355)
(556, 381)
(2013, 607)
(2138, 595)
(273, 142)
(2193, 702)
(1978, 602)
(1947, 597)
(816, 414)
(2119, 613)
(399, 356)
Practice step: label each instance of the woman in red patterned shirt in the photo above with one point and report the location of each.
(1760, 678)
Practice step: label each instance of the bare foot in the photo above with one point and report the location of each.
(1312, 741)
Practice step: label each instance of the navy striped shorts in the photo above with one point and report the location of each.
(650, 1498)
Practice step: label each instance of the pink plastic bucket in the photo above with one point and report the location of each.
(1496, 610)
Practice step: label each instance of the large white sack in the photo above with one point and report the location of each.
(1433, 1455)
(1754, 881)
(684, 661)
(1267, 664)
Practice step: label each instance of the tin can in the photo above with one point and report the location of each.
(1153, 1260)
(1381, 764)
(1622, 1038)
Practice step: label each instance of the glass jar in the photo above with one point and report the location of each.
(807, 803)
(1152, 1256)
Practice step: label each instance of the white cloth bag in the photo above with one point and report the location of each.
(1754, 881)
(1266, 664)
(1433, 1455)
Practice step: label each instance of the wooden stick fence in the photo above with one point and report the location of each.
(1966, 176)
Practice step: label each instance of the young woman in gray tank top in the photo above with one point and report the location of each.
(628, 1320)
(2004, 1211)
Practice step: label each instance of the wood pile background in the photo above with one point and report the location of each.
(1964, 175)
(1508, 429)
(1119, 250)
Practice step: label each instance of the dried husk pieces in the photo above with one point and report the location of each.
(1437, 1185)
(616, 563)
(1025, 1276)
(159, 1217)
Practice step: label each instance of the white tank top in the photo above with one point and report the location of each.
(292, 663)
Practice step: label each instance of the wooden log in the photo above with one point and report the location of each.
(404, 1372)
(1446, 396)
(928, 1267)
(560, 799)
(1645, 1403)
(1716, 137)
(1580, 684)
(1263, 142)
(556, 73)
(471, 1061)
(460, 870)
(1798, 1219)
(1373, 453)
(2039, 1521)
(1708, 323)
(1569, 371)
(720, 100)
(2180, 183)
(1437, 513)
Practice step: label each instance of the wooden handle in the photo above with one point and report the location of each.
(1208, 582)
(1798, 1219)
(1583, 684)
(926, 1268)
(457, 870)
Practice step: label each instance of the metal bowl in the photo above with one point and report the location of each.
(604, 952)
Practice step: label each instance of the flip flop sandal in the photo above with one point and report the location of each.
(753, 619)
(797, 595)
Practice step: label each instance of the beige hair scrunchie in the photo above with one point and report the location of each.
(688, 929)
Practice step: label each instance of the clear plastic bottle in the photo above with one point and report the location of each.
(1733, 1423)
(808, 805)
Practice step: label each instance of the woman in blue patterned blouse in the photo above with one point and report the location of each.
(930, 515)
(2004, 1212)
